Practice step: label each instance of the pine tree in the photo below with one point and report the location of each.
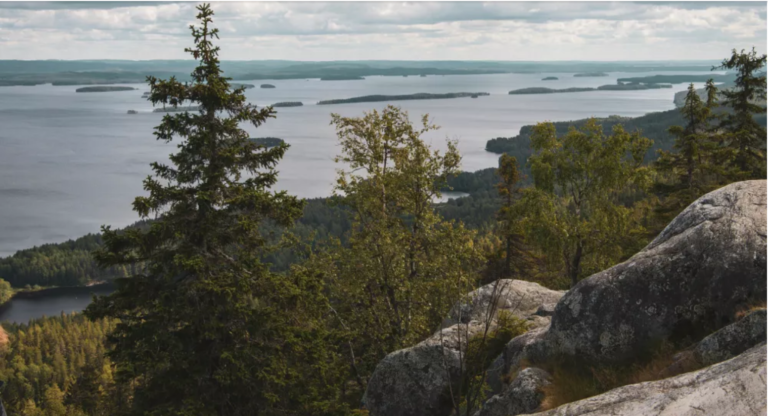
(205, 328)
(742, 135)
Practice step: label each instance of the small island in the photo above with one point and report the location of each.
(267, 141)
(341, 78)
(104, 88)
(550, 79)
(267, 86)
(423, 75)
(590, 74)
(178, 109)
(133, 112)
(631, 87)
(246, 86)
(288, 104)
(418, 96)
(542, 90)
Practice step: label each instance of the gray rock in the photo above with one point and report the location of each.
(733, 339)
(547, 309)
(521, 396)
(694, 276)
(518, 297)
(732, 388)
(418, 380)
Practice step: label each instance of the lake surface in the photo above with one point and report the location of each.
(70, 162)
(50, 302)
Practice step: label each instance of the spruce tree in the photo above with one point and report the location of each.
(205, 328)
(742, 135)
(517, 256)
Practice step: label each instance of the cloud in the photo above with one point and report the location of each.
(386, 30)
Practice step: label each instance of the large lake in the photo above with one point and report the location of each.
(70, 162)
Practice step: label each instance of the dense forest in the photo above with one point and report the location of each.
(237, 299)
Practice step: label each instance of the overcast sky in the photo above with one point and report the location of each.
(368, 30)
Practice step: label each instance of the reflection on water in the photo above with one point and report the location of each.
(51, 302)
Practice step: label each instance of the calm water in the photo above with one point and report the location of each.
(51, 302)
(71, 162)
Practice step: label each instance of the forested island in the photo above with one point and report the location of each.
(105, 88)
(288, 104)
(678, 79)
(179, 109)
(610, 87)
(341, 78)
(267, 86)
(267, 141)
(590, 74)
(417, 96)
(549, 79)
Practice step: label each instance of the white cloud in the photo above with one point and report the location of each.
(420, 30)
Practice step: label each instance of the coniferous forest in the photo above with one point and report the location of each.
(236, 299)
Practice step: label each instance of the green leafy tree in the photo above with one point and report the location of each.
(404, 265)
(206, 328)
(575, 214)
(742, 134)
(6, 291)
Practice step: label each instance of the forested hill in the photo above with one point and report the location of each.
(655, 126)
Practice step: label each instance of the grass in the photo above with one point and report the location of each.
(572, 381)
(749, 308)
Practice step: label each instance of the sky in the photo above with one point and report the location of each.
(319, 31)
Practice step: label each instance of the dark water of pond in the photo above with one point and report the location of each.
(50, 302)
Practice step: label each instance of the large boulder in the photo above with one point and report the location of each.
(418, 381)
(705, 265)
(733, 387)
(524, 394)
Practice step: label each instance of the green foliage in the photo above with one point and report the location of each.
(742, 134)
(574, 209)
(6, 291)
(45, 360)
(65, 264)
(404, 266)
(206, 328)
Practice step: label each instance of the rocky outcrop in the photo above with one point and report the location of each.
(732, 340)
(518, 297)
(521, 396)
(417, 381)
(733, 387)
(694, 276)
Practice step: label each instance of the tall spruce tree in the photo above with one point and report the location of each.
(741, 133)
(691, 169)
(206, 328)
(517, 255)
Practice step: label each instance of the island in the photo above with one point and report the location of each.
(133, 112)
(542, 90)
(288, 104)
(423, 75)
(246, 86)
(341, 78)
(267, 141)
(418, 96)
(550, 79)
(610, 87)
(678, 79)
(176, 109)
(267, 86)
(590, 74)
(104, 88)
